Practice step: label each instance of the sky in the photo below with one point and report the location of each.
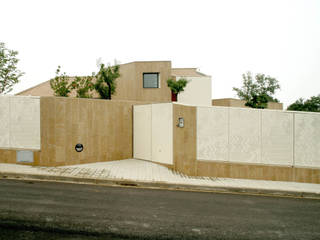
(223, 39)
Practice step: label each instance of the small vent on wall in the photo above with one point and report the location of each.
(25, 156)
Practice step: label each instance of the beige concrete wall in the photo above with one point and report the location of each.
(153, 139)
(185, 140)
(130, 83)
(197, 91)
(232, 102)
(20, 122)
(103, 127)
(257, 171)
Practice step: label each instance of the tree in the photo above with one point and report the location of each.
(309, 105)
(259, 91)
(60, 84)
(83, 86)
(106, 80)
(176, 86)
(9, 74)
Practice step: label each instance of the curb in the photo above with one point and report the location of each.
(160, 185)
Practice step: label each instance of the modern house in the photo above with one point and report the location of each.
(146, 81)
(192, 137)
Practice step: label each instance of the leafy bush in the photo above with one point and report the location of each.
(60, 84)
(259, 91)
(106, 80)
(177, 86)
(9, 74)
(309, 105)
(83, 86)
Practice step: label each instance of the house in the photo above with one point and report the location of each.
(146, 81)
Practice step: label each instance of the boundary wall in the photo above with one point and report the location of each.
(237, 143)
(103, 127)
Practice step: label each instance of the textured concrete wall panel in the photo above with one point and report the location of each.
(4, 122)
(25, 122)
(307, 140)
(277, 138)
(162, 133)
(20, 122)
(212, 133)
(142, 132)
(244, 135)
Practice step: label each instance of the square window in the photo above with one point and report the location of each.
(150, 80)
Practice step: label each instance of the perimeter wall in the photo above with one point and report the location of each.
(239, 143)
(50, 127)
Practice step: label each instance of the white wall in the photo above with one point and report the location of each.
(142, 132)
(212, 133)
(153, 132)
(20, 122)
(258, 136)
(244, 135)
(197, 91)
(277, 137)
(307, 140)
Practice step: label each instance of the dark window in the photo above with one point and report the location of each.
(151, 80)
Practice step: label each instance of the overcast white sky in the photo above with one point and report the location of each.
(222, 38)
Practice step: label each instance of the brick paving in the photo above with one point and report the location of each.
(144, 171)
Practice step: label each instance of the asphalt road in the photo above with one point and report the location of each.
(48, 210)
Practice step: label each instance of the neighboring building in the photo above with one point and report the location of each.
(232, 102)
(146, 81)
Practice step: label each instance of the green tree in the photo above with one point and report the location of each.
(106, 80)
(310, 105)
(259, 91)
(176, 86)
(83, 86)
(9, 74)
(60, 84)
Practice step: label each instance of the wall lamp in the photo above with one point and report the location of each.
(180, 122)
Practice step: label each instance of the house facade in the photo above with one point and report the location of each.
(146, 81)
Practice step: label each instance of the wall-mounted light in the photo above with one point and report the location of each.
(79, 147)
(181, 122)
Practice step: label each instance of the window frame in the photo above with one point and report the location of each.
(158, 79)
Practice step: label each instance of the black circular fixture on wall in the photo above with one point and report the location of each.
(79, 147)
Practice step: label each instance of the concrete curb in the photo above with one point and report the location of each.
(160, 185)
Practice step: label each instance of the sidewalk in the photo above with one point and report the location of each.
(132, 172)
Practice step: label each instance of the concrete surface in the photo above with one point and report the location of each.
(141, 173)
(20, 122)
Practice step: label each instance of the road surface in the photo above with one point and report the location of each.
(49, 210)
